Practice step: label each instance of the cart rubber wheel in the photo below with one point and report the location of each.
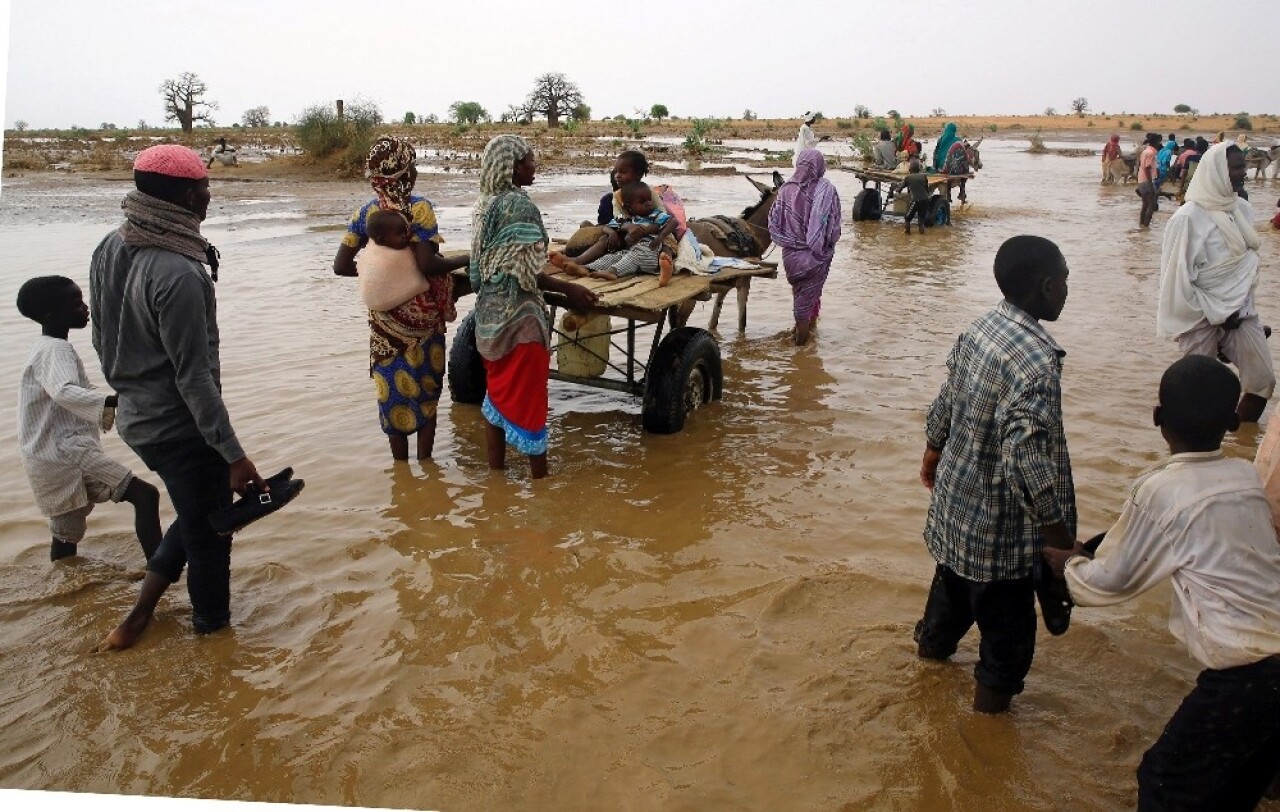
(466, 367)
(940, 211)
(867, 205)
(685, 375)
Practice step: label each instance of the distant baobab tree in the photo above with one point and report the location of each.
(184, 101)
(1080, 105)
(553, 96)
(257, 117)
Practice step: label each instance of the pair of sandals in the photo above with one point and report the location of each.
(1052, 593)
(256, 504)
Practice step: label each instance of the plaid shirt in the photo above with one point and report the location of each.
(1005, 471)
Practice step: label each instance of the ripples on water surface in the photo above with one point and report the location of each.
(716, 619)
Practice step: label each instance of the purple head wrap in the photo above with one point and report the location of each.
(806, 214)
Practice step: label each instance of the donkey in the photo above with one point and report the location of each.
(725, 235)
(1121, 170)
(962, 159)
(1259, 159)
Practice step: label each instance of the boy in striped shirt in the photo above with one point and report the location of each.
(59, 416)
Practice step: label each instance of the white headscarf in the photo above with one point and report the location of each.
(1210, 189)
(1190, 294)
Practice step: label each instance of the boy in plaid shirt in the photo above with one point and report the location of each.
(996, 461)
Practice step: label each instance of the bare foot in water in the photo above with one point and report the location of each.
(126, 634)
(139, 617)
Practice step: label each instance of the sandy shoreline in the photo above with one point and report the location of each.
(728, 146)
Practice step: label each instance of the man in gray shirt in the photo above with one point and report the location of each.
(156, 332)
(885, 153)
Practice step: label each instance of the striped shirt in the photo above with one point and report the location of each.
(1005, 471)
(59, 414)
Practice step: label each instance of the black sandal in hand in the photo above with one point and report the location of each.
(254, 505)
(1053, 596)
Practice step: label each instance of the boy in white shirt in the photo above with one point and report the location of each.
(59, 415)
(1203, 520)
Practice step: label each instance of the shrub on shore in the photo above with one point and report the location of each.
(102, 157)
(23, 159)
(322, 134)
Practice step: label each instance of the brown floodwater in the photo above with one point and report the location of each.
(715, 619)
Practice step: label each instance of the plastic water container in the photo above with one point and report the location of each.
(590, 357)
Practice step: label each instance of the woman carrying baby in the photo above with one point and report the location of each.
(409, 294)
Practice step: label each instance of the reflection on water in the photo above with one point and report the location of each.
(715, 619)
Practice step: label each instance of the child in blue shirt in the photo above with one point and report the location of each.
(648, 234)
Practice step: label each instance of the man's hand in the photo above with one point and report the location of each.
(243, 472)
(1058, 558)
(1232, 322)
(1056, 535)
(929, 466)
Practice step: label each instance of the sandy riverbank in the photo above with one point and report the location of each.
(274, 154)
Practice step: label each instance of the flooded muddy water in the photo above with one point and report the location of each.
(716, 619)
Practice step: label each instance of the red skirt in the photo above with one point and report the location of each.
(517, 386)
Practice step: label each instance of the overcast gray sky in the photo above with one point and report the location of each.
(85, 63)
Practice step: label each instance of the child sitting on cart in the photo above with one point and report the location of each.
(648, 234)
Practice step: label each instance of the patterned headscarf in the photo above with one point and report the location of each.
(904, 137)
(806, 213)
(506, 226)
(498, 164)
(391, 161)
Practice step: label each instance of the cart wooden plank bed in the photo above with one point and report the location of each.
(680, 371)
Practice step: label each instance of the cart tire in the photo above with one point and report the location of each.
(685, 374)
(466, 367)
(940, 211)
(867, 205)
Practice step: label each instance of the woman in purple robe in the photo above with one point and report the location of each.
(805, 221)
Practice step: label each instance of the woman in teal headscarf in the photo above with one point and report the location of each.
(943, 146)
(513, 328)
